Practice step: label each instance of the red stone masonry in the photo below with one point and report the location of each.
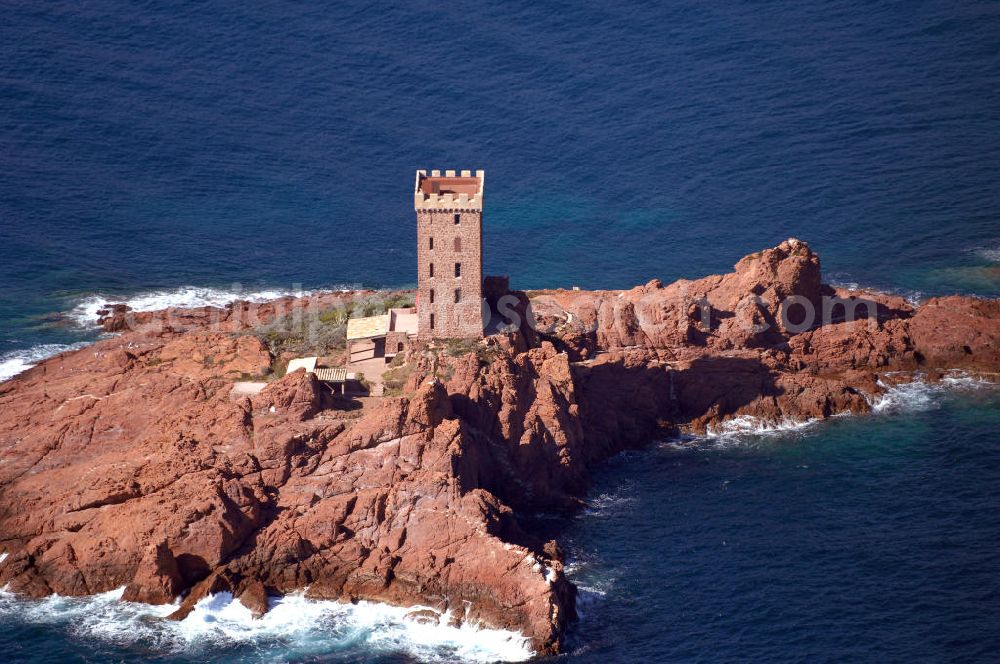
(450, 238)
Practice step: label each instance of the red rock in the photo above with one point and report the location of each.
(157, 579)
(125, 463)
(254, 597)
(957, 332)
(296, 395)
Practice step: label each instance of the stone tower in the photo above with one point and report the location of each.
(449, 254)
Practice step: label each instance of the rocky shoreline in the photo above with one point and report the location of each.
(127, 464)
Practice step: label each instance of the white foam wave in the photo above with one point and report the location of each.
(3, 557)
(594, 581)
(85, 312)
(18, 361)
(918, 394)
(612, 502)
(846, 285)
(991, 254)
(910, 396)
(748, 425)
(294, 628)
(913, 297)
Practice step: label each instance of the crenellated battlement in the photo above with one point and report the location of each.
(448, 190)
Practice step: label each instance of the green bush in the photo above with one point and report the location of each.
(399, 301)
(324, 332)
(335, 316)
(393, 380)
(305, 334)
(459, 347)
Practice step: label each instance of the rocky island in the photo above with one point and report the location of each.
(127, 463)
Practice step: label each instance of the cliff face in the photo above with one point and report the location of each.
(130, 466)
(126, 463)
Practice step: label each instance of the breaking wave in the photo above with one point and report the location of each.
(593, 578)
(913, 297)
(920, 395)
(913, 396)
(85, 312)
(295, 628)
(613, 502)
(992, 254)
(18, 361)
(748, 425)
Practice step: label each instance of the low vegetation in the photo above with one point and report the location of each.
(459, 347)
(484, 352)
(316, 333)
(442, 357)
(394, 379)
(487, 354)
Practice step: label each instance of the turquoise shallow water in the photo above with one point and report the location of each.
(196, 153)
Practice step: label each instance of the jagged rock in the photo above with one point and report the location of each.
(296, 395)
(126, 463)
(254, 597)
(950, 332)
(157, 579)
(114, 317)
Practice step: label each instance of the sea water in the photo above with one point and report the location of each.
(859, 539)
(193, 154)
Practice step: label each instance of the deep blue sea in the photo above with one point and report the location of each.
(172, 153)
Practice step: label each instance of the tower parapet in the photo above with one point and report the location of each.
(449, 191)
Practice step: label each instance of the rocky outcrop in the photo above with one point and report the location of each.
(127, 464)
(767, 340)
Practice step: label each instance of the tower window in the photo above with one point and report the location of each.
(458, 219)
(458, 295)
(458, 269)
(458, 244)
(430, 243)
(399, 347)
(432, 321)
(432, 296)
(432, 270)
